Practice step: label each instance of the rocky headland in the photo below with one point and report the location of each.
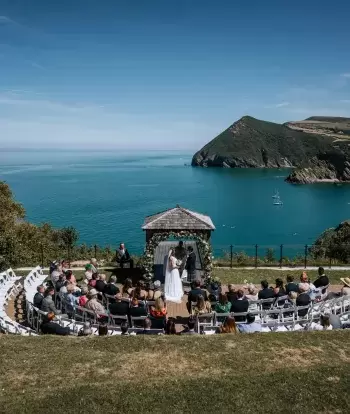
(317, 148)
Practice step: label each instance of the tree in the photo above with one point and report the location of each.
(69, 237)
(270, 255)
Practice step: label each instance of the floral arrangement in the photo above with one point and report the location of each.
(204, 247)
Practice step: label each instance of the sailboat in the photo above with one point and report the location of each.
(276, 195)
(277, 200)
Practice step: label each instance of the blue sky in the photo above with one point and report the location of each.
(163, 74)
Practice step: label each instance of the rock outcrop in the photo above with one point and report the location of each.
(318, 148)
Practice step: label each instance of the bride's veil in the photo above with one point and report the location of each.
(168, 270)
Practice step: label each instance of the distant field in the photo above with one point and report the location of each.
(272, 373)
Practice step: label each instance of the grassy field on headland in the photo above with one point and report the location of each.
(285, 372)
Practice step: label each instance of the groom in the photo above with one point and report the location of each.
(191, 264)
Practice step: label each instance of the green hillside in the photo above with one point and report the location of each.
(250, 143)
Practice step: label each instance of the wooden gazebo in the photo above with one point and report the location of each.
(177, 223)
(177, 219)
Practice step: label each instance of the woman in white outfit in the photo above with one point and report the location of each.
(173, 286)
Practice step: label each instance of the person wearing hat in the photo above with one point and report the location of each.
(345, 290)
(83, 297)
(158, 293)
(93, 304)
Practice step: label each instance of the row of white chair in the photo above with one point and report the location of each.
(10, 286)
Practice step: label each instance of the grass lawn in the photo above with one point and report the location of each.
(293, 372)
(255, 276)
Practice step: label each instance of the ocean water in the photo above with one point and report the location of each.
(107, 195)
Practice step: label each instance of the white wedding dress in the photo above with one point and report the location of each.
(173, 286)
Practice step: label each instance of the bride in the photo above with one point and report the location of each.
(173, 285)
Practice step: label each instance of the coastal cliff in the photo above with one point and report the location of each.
(317, 148)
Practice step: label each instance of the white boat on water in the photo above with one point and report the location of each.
(277, 201)
(276, 195)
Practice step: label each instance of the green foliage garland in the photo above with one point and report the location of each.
(147, 260)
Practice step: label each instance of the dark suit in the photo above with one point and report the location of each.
(147, 332)
(111, 289)
(138, 311)
(321, 282)
(292, 287)
(54, 329)
(193, 295)
(302, 300)
(100, 286)
(239, 306)
(191, 267)
(38, 300)
(124, 258)
(119, 308)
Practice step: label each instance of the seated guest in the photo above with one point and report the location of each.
(191, 323)
(156, 292)
(159, 309)
(140, 292)
(252, 292)
(93, 304)
(63, 289)
(124, 327)
(119, 307)
(322, 279)
(70, 301)
(93, 280)
(202, 306)
(127, 289)
(345, 290)
(60, 282)
(279, 292)
(88, 272)
(229, 326)
(304, 298)
(279, 289)
(64, 266)
(223, 305)
(240, 305)
(146, 328)
(291, 286)
(83, 297)
(123, 256)
(324, 325)
(48, 305)
(101, 283)
(137, 310)
(232, 293)
(194, 293)
(304, 278)
(111, 288)
(55, 274)
(85, 330)
(39, 296)
(266, 292)
(70, 277)
(251, 326)
(170, 328)
(102, 329)
(293, 297)
(52, 328)
(94, 265)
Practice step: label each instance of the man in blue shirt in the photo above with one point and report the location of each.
(251, 326)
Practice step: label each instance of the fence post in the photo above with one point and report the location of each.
(95, 250)
(281, 255)
(330, 261)
(42, 255)
(256, 256)
(305, 257)
(231, 256)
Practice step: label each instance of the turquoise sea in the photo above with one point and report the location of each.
(106, 196)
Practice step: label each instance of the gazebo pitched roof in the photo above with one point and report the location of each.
(178, 218)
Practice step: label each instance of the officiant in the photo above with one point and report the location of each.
(181, 254)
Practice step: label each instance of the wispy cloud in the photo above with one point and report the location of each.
(5, 19)
(278, 105)
(35, 65)
(346, 75)
(346, 101)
